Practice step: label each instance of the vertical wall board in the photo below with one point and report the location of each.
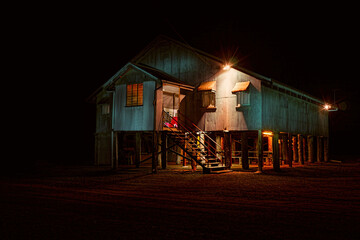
(227, 116)
(179, 62)
(138, 118)
(159, 109)
(285, 113)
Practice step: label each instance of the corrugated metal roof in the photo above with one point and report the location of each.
(207, 86)
(240, 86)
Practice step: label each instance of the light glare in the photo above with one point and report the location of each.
(226, 67)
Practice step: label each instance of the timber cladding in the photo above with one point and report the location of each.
(285, 113)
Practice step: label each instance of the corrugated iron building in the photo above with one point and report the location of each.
(244, 116)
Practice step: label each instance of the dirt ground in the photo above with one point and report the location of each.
(310, 202)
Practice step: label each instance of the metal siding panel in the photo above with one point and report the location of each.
(139, 118)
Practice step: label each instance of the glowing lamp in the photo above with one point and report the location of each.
(267, 133)
(330, 108)
(226, 67)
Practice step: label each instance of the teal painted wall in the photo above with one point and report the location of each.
(139, 118)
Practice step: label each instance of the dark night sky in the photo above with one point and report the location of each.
(80, 48)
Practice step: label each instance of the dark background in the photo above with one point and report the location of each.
(67, 52)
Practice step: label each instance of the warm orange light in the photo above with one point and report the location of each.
(226, 67)
(327, 106)
(267, 133)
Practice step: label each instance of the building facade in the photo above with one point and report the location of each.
(174, 103)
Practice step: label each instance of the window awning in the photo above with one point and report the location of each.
(207, 86)
(240, 86)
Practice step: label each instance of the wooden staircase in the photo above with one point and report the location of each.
(197, 146)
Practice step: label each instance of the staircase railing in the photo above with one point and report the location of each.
(201, 141)
(200, 130)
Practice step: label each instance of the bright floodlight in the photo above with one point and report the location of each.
(327, 106)
(227, 67)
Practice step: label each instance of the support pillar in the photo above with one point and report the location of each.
(275, 152)
(155, 153)
(300, 149)
(310, 141)
(326, 149)
(137, 149)
(163, 150)
(244, 151)
(295, 149)
(290, 150)
(218, 146)
(112, 150)
(305, 156)
(116, 150)
(284, 148)
(319, 149)
(260, 151)
(227, 147)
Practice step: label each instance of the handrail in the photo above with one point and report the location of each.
(194, 137)
(186, 118)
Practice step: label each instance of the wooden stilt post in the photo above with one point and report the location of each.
(184, 159)
(138, 149)
(310, 149)
(163, 151)
(112, 150)
(275, 150)
(319, 149)
(295, 149)
(285, 149)
(290, 154)
(116, 149)
(155, 155)
(244, 151)
(218, 146)
(300, 149)
(326, 149)
(305, 149)
(227, 147)
(260, 151)
(280, 149)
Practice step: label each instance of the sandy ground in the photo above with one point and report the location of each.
(311, 202)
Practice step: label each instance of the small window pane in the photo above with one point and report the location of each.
(134, 94)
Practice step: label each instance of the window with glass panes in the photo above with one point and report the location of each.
(134, 95)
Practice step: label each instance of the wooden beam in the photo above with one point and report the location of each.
(305, 156)
(112, 150)
(163, 150)
(260, 151)
(310, 140)
(244, 151)
(116, 149)
(326, 149)
(155, 155)
(275, 149)
(284, 148)
(319, 149)
(300, 149)
(290, 155)
(227, 148)
(137, 149)
(295, 149)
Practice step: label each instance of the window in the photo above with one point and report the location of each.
(207, 90)
(242, 91)
(242, 98)
(208, 99)
(134, 95)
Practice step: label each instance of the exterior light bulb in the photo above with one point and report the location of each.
(226, 67)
